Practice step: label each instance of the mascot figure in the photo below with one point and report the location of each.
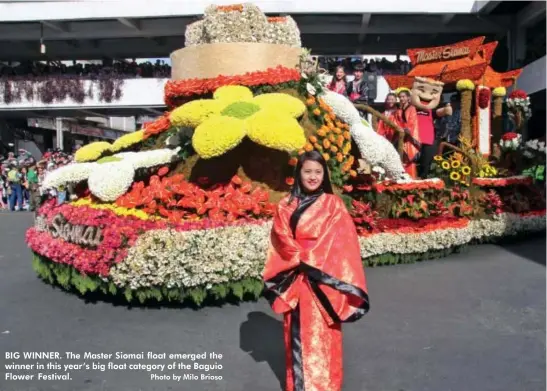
(425, 95)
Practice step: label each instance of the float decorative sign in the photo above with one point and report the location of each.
(445, 53)
(83, 235)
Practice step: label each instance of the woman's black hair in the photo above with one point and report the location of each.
(297, 190)
(333, 81)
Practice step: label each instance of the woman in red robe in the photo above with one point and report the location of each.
(389, 111)
(407, 118)
(314, 277)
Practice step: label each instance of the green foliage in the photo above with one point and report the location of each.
(266, 89)
(537, 172)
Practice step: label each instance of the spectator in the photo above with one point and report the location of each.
(358, 88)
(339, 82)
(16, 191)
(33, 190)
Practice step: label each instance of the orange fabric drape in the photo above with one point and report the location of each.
(386, 130)
(315, 278)
(408, 119)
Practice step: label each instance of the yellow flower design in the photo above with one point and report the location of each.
(92, 152)
(455, 176)
(221, 123)
(445, 165)
(456, 164)
(438, 158)
(466, 170)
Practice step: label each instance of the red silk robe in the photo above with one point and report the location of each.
(314, 277)
(409, 120)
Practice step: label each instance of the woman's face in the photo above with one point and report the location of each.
(311, 175)
(340, 74)
(390, 102)
(403, 98)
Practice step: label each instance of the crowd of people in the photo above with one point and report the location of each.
(21, 177)
(379, 66)
(126, 69)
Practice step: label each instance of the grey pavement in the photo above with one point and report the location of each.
(470, 322)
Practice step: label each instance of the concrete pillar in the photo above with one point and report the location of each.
(59, 132)
(516, 42)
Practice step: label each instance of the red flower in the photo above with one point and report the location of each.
(518, 94)
(348, 188)
(158, 126)
(289, 181)
(163, 171)
(509, 136)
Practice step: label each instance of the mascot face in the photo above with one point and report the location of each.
(426, 93)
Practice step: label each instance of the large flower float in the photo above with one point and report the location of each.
(181, 209)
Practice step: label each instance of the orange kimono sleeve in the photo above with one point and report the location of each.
(412, 142)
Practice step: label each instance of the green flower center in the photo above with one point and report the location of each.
(109, 159)
(240, 110)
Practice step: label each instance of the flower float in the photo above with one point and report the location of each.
(92, 152)
(221, 123)
(128, 140)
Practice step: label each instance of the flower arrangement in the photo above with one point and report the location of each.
(510, 141)
(93, 151)
(197, 87)
(222, 122)
(118, 210)
(519, 101)
(465, 85)
(160, 125)
(128, 140)
(453, 169)
(484, 98)
(71, 173)
(499, 92)
(108, 181)
(176, 199)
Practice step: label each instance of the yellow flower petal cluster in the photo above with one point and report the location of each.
(218, 135)
(194, 113)
(465, 84)
(276, 131)
(91, 152)
(118, 210)
(222, 123)
(499, 91)
(281, 102)
(128, 140)
(233, 93)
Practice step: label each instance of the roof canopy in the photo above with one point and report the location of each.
(469, 59)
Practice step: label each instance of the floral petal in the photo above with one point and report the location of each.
(217, 136)
(281, 103)
(229, 94)
(194, 113)
(275, 130)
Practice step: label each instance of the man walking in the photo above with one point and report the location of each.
(14, 179)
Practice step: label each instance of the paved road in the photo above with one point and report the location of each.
(470, 322)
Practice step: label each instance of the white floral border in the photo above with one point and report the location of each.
(207, 257)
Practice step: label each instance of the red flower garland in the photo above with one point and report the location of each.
(380, 187)
(484, 98)
(509, 136)
(185, 88)
(502, 182)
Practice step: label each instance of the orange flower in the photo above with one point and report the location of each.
(326, 118)
(308, 147)
(317, 112)
(352, 173)
(321, 132)
(347, 135)
(333, 149)
(351, 159)
(289, 181)
(301, 151)
(339, 157)
(332, 139)
(318, 147)
(340, 141)
(332, 116)
(345, 167)
(337, 130)
(310, 102)
(339, 124)
(330, 125)
(326, 157)
(293, 161)
(313, 139)
(326, 143)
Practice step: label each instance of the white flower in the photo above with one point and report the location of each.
(148, 159)
(375, 149)
(311, 89)
(110, 180)
(71, 173)
(304, 76)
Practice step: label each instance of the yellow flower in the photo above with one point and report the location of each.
(499, 91)
(455, 176)
(438, 158)
(465, 84)
(466, 170)
(128, 140)
(456, 164)
(91, 152)
(445, 165)
(209, 142)
(222, 123)
(118, 210)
